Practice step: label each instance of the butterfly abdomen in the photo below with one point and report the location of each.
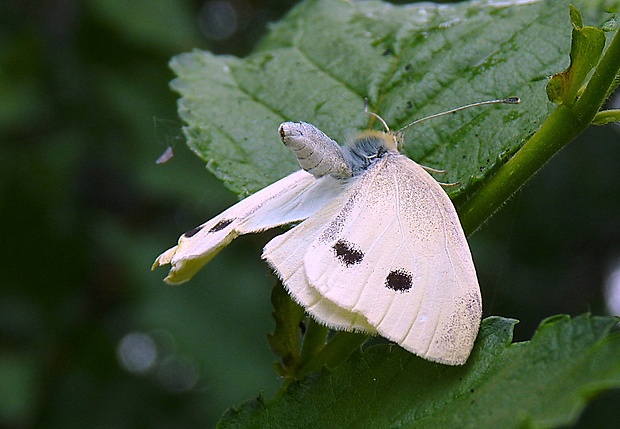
(316, 152)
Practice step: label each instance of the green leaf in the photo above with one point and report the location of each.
(607, 117)
(284, 341)
(586, 47)
(315, 351)
(319, 63)
(544, 383)
(565, 123)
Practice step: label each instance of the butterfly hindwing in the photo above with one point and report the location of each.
(285, 253)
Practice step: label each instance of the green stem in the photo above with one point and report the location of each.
(559, 129)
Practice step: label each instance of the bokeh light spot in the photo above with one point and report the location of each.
(218, 20)
(177, 374)
(612, 289)
(137, 352)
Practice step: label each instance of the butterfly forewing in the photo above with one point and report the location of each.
(396, 254)
(290, 199)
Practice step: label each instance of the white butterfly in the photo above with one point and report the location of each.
(380, 249)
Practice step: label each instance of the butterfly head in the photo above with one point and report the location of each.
(369, 146)
(383, 141)
(392, 141)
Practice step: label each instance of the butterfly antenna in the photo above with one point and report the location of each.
(509, 100)
(387, 129)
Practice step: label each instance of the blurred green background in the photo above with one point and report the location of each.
(89, 336)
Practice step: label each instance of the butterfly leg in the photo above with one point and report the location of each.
(433, 170)
(449, 185)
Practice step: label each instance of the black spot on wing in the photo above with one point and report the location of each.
(347, 253)
(192, 232)
(399, 280)
(221, 225)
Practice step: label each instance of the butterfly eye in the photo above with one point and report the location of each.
(221, 225)
(399, 280)
(347, 253)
